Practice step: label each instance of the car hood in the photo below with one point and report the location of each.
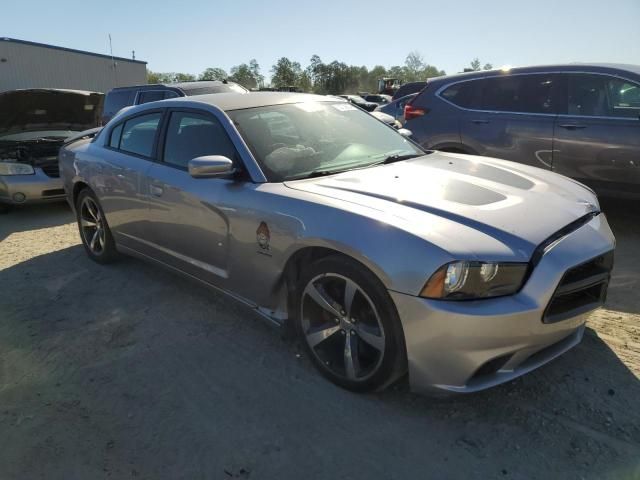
(34, 110)
(520, 206)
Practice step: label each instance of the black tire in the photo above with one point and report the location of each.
(378, 366)
(102, 249)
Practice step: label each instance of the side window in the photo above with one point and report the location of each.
(139, 134)
(537, 95)
(462, 94)
(116, 133)
(170, 94)
(519, 93)
(587, 95)
(191, 135)
(624, 98)
(150, 96)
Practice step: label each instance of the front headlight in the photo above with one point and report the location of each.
(469, 280)
(7, 168)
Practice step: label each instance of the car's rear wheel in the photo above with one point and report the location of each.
(349, 325)
(94, 229)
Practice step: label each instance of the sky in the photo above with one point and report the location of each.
(192, 35)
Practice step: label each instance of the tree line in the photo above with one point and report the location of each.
(318, 76)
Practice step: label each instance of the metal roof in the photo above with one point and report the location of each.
(65, 49)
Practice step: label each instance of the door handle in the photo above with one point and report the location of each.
(572, 126)
(479, 121)
(156, 190)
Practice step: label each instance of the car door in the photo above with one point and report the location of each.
(511, 117)
(597, 140)
(129, 151)
(187, 229)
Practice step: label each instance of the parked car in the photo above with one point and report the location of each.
(467, 272)
(408, 88)
(387, 119)
(378, 99)
(580, 120)
(121, 97)
(396, 107)
(34, 123)
(361, 102)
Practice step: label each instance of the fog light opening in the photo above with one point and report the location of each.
(19, 197)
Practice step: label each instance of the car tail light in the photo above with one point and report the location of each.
(411, 112)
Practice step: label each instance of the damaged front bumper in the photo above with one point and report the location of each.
(469, 346)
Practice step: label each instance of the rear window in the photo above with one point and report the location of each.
(408, 89)
(117, 100)
(462, 94)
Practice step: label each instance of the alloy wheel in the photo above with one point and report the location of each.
(92, 226)
(342, 327)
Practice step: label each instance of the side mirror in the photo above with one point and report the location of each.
(210, 166)
(405, 132)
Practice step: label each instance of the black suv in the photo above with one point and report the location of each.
(121, 97)
(579, 120)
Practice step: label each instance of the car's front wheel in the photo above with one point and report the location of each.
(94, 229)
(349, 325)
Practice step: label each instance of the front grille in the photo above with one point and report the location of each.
(582, 288)
(51, 170)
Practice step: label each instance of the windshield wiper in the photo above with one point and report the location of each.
(397, 158)
(324, 173)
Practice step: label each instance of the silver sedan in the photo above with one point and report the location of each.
(463, 272)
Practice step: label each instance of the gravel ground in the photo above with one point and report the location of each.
(128, 371)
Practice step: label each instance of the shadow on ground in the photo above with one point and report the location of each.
(131, 372)
(624, 219)
(34, 217)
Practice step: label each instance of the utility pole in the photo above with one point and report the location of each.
(115, 65)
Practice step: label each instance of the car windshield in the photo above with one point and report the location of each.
(307, 139)
(356, 99)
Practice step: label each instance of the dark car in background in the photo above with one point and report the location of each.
(34, 123)
(580, 120)
(408, 88)
(395, 108)
(378, 99)
(360, 102)
(121, 97)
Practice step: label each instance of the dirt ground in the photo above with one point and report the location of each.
(128, 371)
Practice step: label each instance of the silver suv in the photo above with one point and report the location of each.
(579, 120)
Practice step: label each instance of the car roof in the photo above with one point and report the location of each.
(185, 86)
(239, 101)
(53, 90)
(612, 68)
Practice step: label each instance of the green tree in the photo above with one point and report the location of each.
(476, 65)
(243, 75)
(304, 82)
(213, 73)
(255, 71)
(285, 73)
(183, 77)
(414, 67)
